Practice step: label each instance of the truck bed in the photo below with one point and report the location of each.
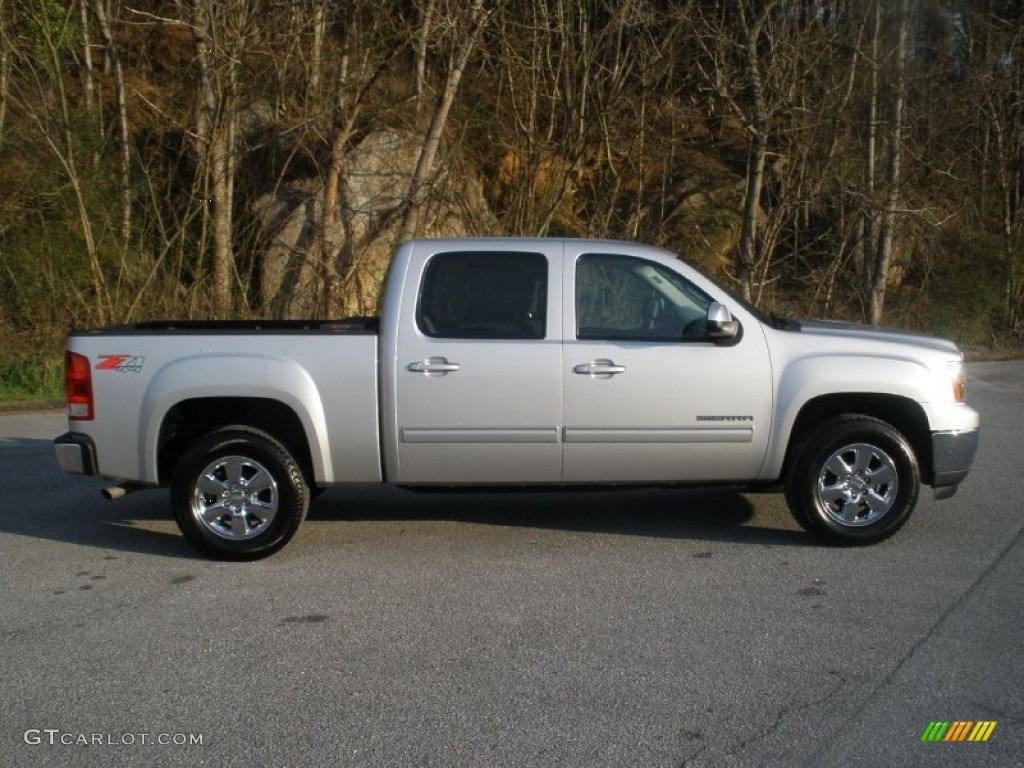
(149, 375)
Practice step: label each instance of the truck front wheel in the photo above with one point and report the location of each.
(854, 480)
(238, 494)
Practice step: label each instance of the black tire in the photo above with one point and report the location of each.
(854, 480)
(238, 494)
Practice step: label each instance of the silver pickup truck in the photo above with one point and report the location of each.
(519, 362)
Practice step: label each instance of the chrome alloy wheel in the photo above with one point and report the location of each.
(857, 484)
(235, 498)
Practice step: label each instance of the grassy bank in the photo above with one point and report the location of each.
(36, 374)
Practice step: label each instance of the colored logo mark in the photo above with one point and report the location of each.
(958, 730)
(122, 363)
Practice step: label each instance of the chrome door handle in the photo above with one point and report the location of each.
(433, 365)
(599, 368)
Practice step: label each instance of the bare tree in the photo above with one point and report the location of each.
(222, 30)
(6, 58)
(757, 122)
(997, 84)
(762, 61)
(88, 75)
(577, 82)
(426, 20)
(354, 81)
(878, 252)
(57, 132)
(870, 151)
(457, 59)
(316, 48)
(113, 61)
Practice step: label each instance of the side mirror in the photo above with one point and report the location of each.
(721, 324)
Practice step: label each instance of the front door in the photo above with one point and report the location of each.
(478, 378)
(648, 396)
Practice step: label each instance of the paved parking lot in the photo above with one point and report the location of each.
(632, 628)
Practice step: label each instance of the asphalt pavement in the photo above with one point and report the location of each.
(633, 628)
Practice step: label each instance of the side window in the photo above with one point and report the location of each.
(484, 295)
(625, 298)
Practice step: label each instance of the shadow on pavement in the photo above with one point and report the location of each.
(45, 503)
(42, 502)
(719, 514)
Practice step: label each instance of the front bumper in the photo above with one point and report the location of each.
(952, 454)
(76, 453)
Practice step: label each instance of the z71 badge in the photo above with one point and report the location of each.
(122, 363)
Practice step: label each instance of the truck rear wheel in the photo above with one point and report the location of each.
(855, 480)
(238, 494)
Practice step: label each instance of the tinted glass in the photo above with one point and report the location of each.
(484, 295)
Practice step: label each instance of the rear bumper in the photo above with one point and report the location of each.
(75, 453)
(952, 455)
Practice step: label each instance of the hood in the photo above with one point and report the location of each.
(870, 333)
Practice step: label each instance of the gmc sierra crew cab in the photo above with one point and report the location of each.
(515, 362)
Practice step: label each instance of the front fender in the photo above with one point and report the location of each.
(804, 380)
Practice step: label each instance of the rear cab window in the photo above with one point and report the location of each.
(484, 295)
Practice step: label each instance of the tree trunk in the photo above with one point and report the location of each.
(90, 78)
(747, 255)
(871, 133)
(114, 62)
(216, 132)
(876, 303)
(330, 223)
(5, 70)
(428, 153)
(316, 52)
(65, 153)
(422, 39)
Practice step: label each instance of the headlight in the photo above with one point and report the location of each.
(958, 378)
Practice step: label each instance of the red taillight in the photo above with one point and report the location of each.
(78, 386)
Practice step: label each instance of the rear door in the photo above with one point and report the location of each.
(648, 396)
(478, 383)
